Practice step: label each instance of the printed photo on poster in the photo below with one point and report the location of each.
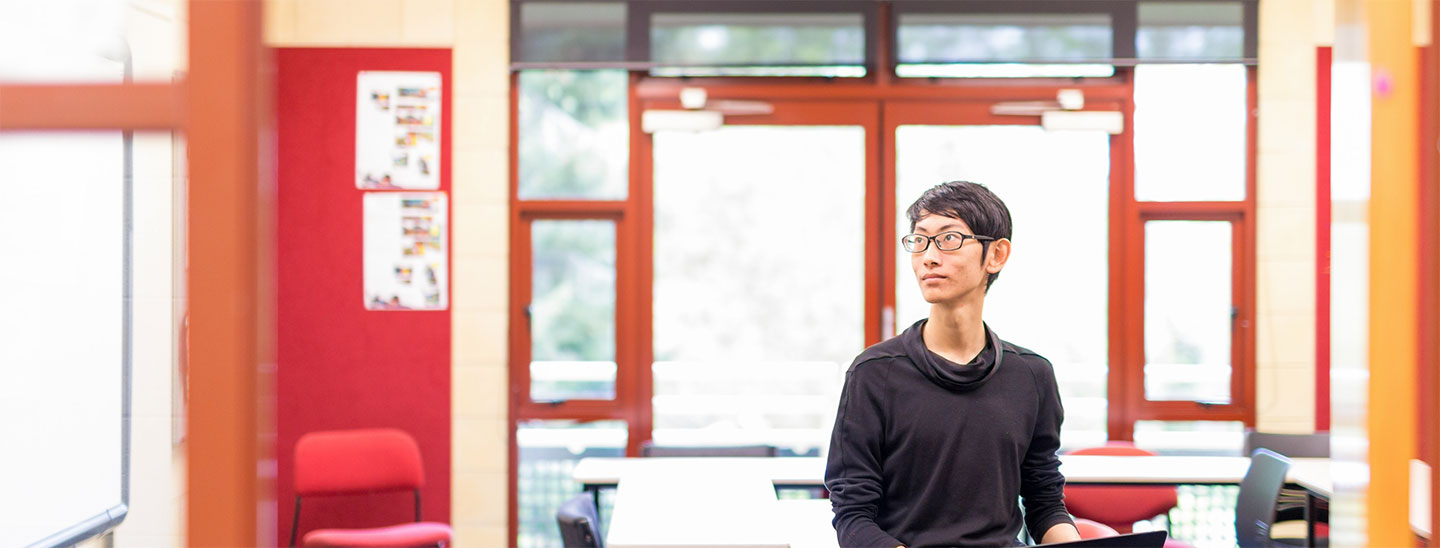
(397, 130)
(405, 256)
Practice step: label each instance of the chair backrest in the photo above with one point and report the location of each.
(1255, 506)
(1295, 446)
(579, 523)
(649, 450)
(1116, 506)
(370, 460)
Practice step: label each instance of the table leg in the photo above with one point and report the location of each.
(595, 496)
(1311, 513)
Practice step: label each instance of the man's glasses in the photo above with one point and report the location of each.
(944, 241)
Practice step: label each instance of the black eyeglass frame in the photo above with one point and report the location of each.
(929, 239)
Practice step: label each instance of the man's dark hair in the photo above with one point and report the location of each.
(969, 202)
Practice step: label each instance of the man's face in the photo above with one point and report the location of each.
(948, 276)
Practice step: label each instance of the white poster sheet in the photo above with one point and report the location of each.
(397, 130)
(406, 266)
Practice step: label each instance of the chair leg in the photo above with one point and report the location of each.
(295, 523)
(417, 505)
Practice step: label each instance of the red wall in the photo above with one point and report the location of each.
(341, 366)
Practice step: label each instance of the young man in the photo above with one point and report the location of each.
(942, 429)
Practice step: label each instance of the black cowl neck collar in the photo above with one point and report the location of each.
(948, 374)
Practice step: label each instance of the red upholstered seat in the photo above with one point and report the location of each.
(1090, 528)
(1118, 506)
(410, 534)
(359, 462)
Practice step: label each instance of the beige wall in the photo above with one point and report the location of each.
(1285, 234)
(478, 32)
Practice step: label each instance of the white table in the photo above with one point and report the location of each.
(661, 506)
(801, 472)
(657, 503)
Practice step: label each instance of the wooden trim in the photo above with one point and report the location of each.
(146, 106)
(1394, 151)
(1247, 261)
(1428, 332)
(231, 299)
(1191, 210)
(518, 339)
(1125, 276)
(1323, 56)
(570, 209)
(1015, 89)
(642, 209)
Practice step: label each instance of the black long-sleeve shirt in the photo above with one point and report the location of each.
(926, 452)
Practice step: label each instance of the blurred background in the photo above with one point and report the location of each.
(675, 223)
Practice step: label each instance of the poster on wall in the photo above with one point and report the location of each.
(397, 130)
(405, 255)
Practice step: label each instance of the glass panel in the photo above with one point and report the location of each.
(571, 32)
(1188, 311)
(548, 451)
(1190, 132)
(1191, 30)
(574, 134)
(745, 251)
(76, 41)
(572, 310)
(66, 328)
(810, 44)
(1216, 438)
(1059, 208)
(1005, 70)
(959, 38)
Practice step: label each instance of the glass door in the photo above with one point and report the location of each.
(761, 279)
(1054, 295)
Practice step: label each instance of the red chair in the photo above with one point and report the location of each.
(1090, 528)
(364, 461)
(1118, 506)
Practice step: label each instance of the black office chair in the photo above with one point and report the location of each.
(1291, 506)
(649, 449)
(579, 524)
(1255, 507)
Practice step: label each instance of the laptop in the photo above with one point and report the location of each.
(1148, 539)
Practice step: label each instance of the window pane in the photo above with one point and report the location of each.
(810, 44)
(1190, 136)
(572, 310)
(1005, 70)
(1059, 208)
(571, 32)
(1191, 30)
(1188, 307)
(1013, 38)
(548, 451)
(574, 134)
(759, 282)
(1219, 438)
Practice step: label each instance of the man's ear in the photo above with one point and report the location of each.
(999, 254)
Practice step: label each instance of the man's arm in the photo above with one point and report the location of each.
(1061, 532)
(1042, 487)
(852, 473)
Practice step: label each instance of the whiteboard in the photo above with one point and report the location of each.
(65, 279)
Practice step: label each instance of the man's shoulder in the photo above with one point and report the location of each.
(880, 355)
(1030, 358)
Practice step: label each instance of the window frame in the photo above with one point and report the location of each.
(635, 254)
